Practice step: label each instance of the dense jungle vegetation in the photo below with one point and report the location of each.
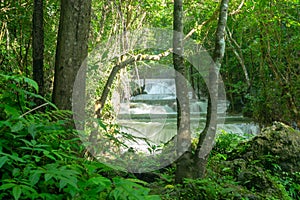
(42, 155)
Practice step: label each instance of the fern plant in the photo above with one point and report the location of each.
(40, 157)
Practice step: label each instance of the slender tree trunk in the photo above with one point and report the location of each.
(38, 45)
(207, 137)
(183, 150)
(239, 55)
(71, 51)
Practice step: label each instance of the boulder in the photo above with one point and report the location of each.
(276, 146)
(266, 165)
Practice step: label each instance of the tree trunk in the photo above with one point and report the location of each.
(38, 45)
(207, 137)
(239, 55)
(183, 150)
(71, 50)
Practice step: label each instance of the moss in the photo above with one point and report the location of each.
(278, 144)
(258, 164)
(263, 168)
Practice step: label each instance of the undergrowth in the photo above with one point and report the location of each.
(41, 157)
(228, 178)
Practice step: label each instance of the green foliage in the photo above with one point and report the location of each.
(226, 142)
(123, 189)
(265, 33)
(256, 169)
(40, 157)
(15, 35)
(212, 187)
(237, 169)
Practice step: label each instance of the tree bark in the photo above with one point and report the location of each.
(183, 146)
(207, 137)
(38, 45)
(71, 51)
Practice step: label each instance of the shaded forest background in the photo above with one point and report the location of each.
(41, 156)
(261, 66)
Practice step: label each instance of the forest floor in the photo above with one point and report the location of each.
(266, 166)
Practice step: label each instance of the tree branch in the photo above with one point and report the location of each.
(238, 55)
(199, 27)
(135, 58)
(238, 9)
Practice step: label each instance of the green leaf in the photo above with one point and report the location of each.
(16, 172)
(27, 188)
(11, 111)
(137, 181)
(102, 125)
(34, 178)
(71, 181)
(3, 160)
(129, 189)
(48, 177)
(32, 130)
(57, 153)
(38, 96)
(101, 182)
(14, 156)
(33, 142)
(37, 158)
(152, 197)
(47, 154)
(16, 191)
(32, 83)
(17, 127)
(62, 183)
(7, 186)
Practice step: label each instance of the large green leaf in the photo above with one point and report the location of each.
(34, 178)
(7, 186)
(17, 127)
(3, 160)
(32, 83)
(16, 191)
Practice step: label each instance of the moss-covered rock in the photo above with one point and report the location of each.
(278, 145)
(260, 164)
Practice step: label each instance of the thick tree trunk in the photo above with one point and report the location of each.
(38, 45)
(71, 51)
(207, 137)
(183, 148)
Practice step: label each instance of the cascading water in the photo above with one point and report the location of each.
(152, 115)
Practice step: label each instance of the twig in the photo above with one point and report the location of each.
(238, 9)
(33, 109)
